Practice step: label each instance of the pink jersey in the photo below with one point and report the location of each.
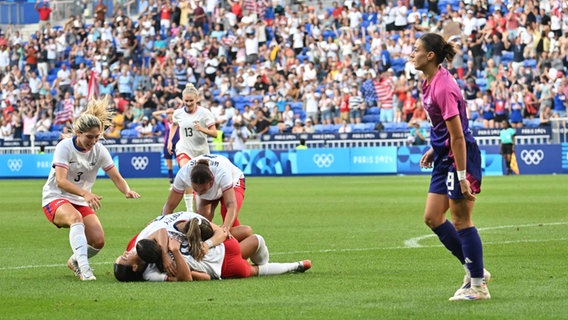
(443, 100)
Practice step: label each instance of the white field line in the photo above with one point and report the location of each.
(408, 244)
(414, 242)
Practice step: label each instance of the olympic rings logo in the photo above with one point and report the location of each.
(139, 163)
(15, 165)
(532, 157)
(323, 160)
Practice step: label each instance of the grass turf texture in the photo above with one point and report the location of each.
(352, 228)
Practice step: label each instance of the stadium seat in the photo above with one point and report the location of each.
(359, 127)
(273, 130)
(129, 133)
(318, 128)
(57, 127)
(372, 110)
(371, 118)
(227, 131)
(530, 63)
(329, 128)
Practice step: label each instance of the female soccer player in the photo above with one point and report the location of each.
(201, 250)
(67, 199)
(214, 179)
(456, 159)
(194, 124)
(166, 118)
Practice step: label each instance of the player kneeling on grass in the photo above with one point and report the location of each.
(200, 250)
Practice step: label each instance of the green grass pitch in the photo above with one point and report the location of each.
(373, 258)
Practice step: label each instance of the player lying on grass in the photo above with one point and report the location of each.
(185, 246)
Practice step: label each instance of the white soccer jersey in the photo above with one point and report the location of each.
(211, 263)
(192, 142)
(82, 168)
(225, 176)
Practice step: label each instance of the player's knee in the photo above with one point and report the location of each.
(97, 243)
(432, 222)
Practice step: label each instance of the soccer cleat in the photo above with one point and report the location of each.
(473, 293)
(467, 282)
(74, 266)
(304, 265)
(87, 275)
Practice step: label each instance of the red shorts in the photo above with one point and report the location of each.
(52, 207)
(132, 242)
(234, 266)
(240, 195)
(182, 156)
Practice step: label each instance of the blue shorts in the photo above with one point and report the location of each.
(167, 155)
(445, 178)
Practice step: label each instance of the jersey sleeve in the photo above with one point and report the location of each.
(61, 155)
(153, 274)
(448, 103)
(176, 117)
(209, 119)
(106, 159)
(181, 177)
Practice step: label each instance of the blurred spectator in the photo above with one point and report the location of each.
(100, 12)
(261, 124)
(44, 11)
(239, 137)
(298, 127)
(345, 127)
(417, 135)
(145, 129)
(308, 127)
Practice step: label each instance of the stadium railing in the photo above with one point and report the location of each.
(282, 145)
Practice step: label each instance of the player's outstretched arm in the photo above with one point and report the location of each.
(121, 184)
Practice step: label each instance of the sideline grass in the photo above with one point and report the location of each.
(352, 228)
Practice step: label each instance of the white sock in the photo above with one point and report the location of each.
(78, 242)
(92, 251)
(270, 269)
(188, 197)
(261, 256)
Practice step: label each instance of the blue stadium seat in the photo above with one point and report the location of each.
(372, 110)
(359, 127)
(273, 130)
(42, 136)
(227, 131)
(329, 128)
(530, 63)
(369, 126)
(129, 133)
(57, 127)
(318, 128)
(371, 118)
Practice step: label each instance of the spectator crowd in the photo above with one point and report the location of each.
(273, 67)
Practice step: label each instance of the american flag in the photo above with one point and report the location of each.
(257, 7)
(229, 40)
(66, 113)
